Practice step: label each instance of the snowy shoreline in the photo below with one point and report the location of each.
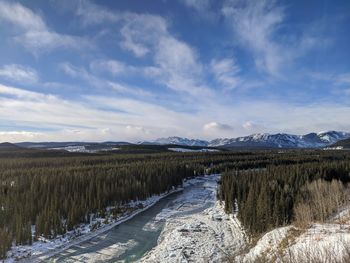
(44, 250)
(208, 236)
(197, 230)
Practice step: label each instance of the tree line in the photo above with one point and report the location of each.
(270, 197)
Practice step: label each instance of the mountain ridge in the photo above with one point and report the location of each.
(257, 140)
(261, 140)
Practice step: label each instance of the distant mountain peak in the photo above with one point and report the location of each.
(176, 140)
(263, 140)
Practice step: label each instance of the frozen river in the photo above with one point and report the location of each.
(130, 240)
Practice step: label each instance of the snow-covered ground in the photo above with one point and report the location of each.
(178, 149)
(327, 242)
(83, 149)
(320, 243)
(208, 236)
(213, 236)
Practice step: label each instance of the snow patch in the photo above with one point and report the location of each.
(209, 236)
(192, 150)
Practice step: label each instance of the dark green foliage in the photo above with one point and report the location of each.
(343, 143)
(56, 191)
(265, 197)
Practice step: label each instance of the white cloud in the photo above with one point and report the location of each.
(114, 67)
(226, 72)
(20, 16)
(127, 89)
(176, 64)
(19, 73)
(257, 25)
(133, 120)
(254, 23)
(217, 126)
(215, 130)
(19, 136)
(248, 125)
(39, 41)
(33, 33)
(343, 79)
(23, 94)
(137, 131)
(141, 31)
(139, 50)
(204, 8)
(100, 83)
(179, 67)
(91, 13)
(126, 119)
(252, 126)
(198, 5)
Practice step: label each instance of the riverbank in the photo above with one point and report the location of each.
(44, 248)
(208, 236)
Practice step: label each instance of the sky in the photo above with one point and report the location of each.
(132, 70)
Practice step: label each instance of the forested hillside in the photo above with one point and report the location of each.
(343, 143)
(272, 197)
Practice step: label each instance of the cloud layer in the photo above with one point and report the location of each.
(199, 69)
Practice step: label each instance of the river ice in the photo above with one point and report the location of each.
(197, 230)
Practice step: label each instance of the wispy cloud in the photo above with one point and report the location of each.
(198, 5)
(343, 79)
(255, 23)
(204, 8)
(226, 72)
(101, 83)
(176, 64)
(19, 136)
(141, 31)
(23, 94)
(32, 31)
(150, 79)
(334, 80)
(92, 14)
(114, 67)
(18, 73)
(258, 27)
(106, 118)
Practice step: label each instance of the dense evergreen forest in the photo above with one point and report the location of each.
(56, 191)
(267, 198)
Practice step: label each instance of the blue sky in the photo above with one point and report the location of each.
(137, 70)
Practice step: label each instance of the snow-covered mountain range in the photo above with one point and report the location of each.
(266, 140)
(179, 141)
